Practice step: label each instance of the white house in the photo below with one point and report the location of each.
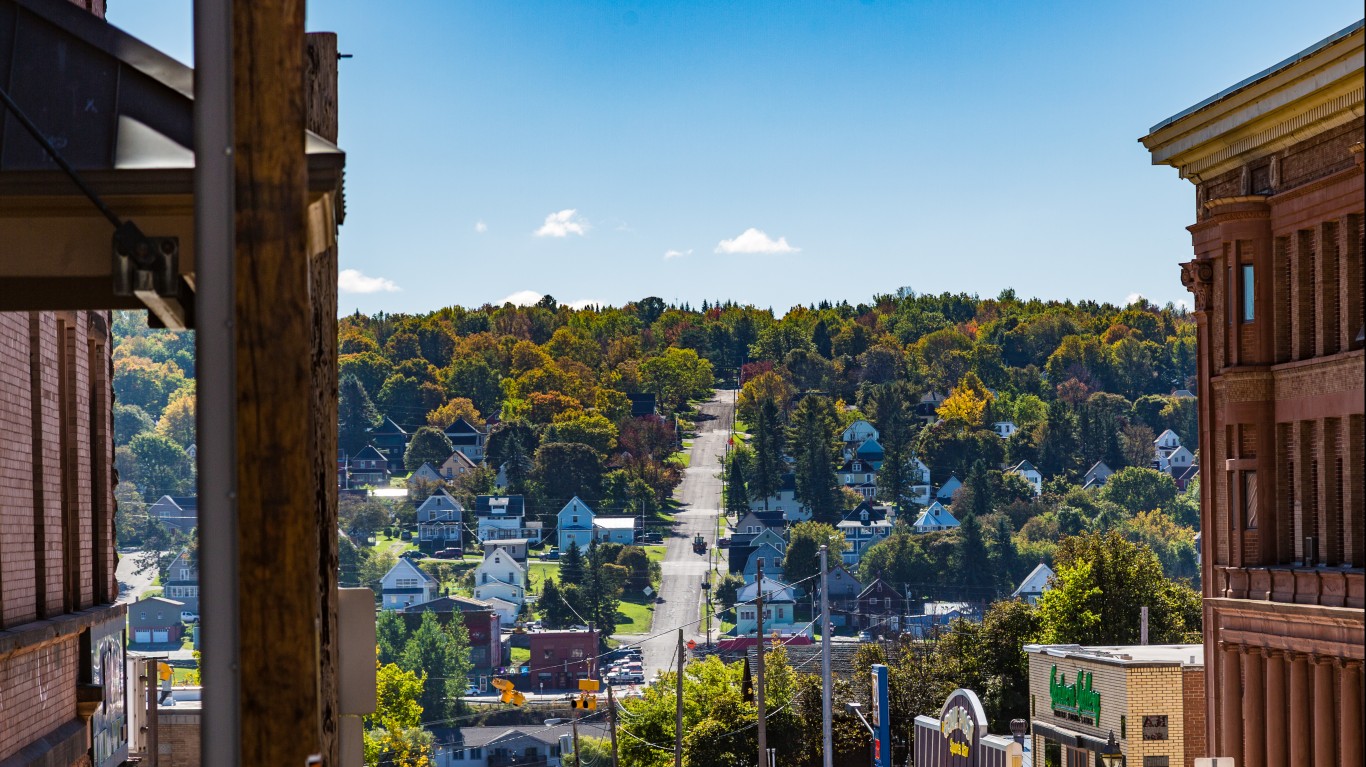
(785, 500)
(950, 487)
(575, 525)
(615, 530)
(1004, 429)
(1167, 440)
(426, 474)
(935, 518)
(500, 576)
(780, 602)
(503, 516)
(859, 431)
(1034, 584)
(406, 585)
(1096, 475)
(1169, 455)
(440, 522)
(1026, 469)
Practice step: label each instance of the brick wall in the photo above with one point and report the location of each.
(178, 738)
(1193, 704)
(56, 512)
(37, 692)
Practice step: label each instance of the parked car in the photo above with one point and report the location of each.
(471, 691)
(864, 636)
(189, 616)
(413, 554)
(449, 554)
(553, 554)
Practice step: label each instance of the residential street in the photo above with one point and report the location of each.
(132, 582)
(700, 499)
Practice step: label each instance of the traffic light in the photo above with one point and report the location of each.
(586, 701)
(509, 693)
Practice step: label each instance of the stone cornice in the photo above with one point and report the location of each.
(1318, 92)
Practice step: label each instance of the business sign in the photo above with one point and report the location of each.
(962, 722)
(1155, 727)
(109, 724)
(882, 719)
(1078, 701)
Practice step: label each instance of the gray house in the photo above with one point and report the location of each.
(182, 580)
(155, 621)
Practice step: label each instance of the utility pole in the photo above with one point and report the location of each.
(826, 738)
(612, 723)
(759, 675)
(678, 715)
(574, 723)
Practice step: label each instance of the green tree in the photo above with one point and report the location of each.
(567, 469)
(812, 437)
(802, 558)
(130, 421)
(442, 652)
(554, 607)
(769, 441)
(393, 734)
(428, 445)
(979, 578)
(571, 564)
(589, 429)
(1102, 581)
(356, 415)
(737, 497)
(1060, 449)
(158, 466)
(677, 376)
(1139, 489)
(391, 636)
(897, 428)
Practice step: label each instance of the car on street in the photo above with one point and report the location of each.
(471, 691)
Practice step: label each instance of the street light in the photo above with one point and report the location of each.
(857, 710)
(1110, 755)
(706, 588)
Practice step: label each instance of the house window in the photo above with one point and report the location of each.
(761, 563)
(577, 652)
(549, 654)
(574, 519)
(142, 616)
(1249, 294)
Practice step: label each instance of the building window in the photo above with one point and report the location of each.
(1249, 500)
(1249, 294)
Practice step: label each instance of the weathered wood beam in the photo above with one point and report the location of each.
(281, 705)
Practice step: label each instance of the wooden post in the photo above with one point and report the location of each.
(281, 673)
(612, 723)
(759, 665)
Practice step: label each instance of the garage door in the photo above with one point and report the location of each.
(142, 637)
(161, 636)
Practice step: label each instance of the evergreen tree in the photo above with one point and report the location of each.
(1059, 451)
(820, 338)
(737, 499)
(391, 636)
(978, 577)
(812, 437)
(769, 441)
(603, 581)
(1004, 556)
(571, 565)
(897, 429)
(979, 491)
(443, 654)
(553, 606)
(356, 415)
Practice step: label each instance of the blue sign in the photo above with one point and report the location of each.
(882, 718)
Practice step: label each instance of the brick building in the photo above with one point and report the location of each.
(1152, 697)
(560, 658)
(61, 638)
(1278, 290)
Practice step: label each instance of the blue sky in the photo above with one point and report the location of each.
(769, 152)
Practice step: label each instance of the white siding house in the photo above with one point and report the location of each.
(406, 585)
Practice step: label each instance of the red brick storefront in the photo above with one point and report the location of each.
(1278, 293)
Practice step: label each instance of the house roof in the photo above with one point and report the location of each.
(463, 428)
(369, 453)
(766, 550)
(615, 523)
(503, 736)
(642, 404)
(484, 505)
(387, 427)
(438, 503)
(1036, 582)
(161, 600)
(880, 589)
(1163, 436)
(766, 518)
(774, 591)
(425, 470)
(576, 502)
(950, 485)
(1187, 473)
(405, 563)
(935, 515)
(460, 458)
(1098, 468)
(495, 549)
(870, 447)
(1024, 466)
(451, 604)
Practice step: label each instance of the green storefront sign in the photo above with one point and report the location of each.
(1078, 700)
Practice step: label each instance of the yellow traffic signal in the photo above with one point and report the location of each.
(501, 684)
(586, 701)
(589, 685)
(509, 692)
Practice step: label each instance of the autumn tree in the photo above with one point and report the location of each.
(428, 445)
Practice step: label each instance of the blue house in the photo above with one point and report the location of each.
(575, 524)
(771, 557)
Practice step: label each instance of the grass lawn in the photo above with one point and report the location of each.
(682, 458)
(521, 655)
(634, 614)
(655, 552)
(537, 572)
(181, 677)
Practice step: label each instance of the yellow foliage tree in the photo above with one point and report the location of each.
(449, 413)
(177, 421)
(966, 403)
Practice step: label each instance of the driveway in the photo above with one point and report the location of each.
(682, 570)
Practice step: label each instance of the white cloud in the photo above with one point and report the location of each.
(755, 241)
(480, 227)
(521, 298)
(1131, 298)
(668, 254)
(353, 281)
(563, 224)
(585, 302)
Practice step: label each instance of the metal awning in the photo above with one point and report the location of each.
(121, 113)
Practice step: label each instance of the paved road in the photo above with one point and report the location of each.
(700, 499)
(132, 582)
